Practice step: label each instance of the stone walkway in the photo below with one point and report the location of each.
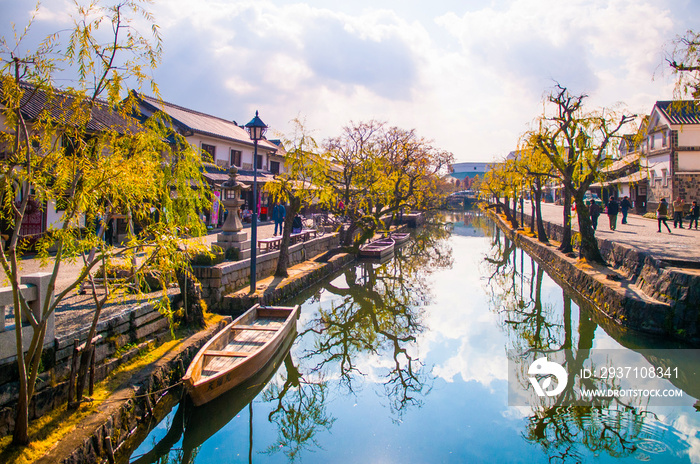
(75, 311)
(639, 232)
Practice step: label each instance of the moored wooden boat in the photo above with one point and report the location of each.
(400, 237)
(238, 351)
(379, 248)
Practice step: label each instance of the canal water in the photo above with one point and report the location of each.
(424, 358)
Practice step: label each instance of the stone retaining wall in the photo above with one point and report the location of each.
(222, 279)
(134, 326)
(116, 424)
(236, 303)
(670, 300)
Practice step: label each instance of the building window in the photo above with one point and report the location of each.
(664, 177)
(211, 150)
(236, 158)
(663, 139)
(260, 161)
(275, 167)
(651, 141)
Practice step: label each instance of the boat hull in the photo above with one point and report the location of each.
(205, 382)
(378, 249)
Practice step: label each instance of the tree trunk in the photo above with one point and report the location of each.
(541, 233)
(283, 259)
(588, 248)
(565, 246)
(533, 213)
(191, 292)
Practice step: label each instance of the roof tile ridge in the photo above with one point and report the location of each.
(188, 110)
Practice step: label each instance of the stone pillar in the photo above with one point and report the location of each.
(233, 235)
(41, 281)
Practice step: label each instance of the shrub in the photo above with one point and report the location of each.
(212, 258)
(233, 254)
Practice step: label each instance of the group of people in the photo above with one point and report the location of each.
(612, 209)
(677, 210)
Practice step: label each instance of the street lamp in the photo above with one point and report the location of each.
(256, 128)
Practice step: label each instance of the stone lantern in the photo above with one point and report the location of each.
(232, 235)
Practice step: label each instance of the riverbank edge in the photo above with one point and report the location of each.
(620, 292)
(115, 424)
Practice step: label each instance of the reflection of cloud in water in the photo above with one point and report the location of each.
(463, 339)
(689, 428)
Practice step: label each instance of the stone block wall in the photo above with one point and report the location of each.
(222, 279)
(131, 327)
(673, 290)
(688, 188)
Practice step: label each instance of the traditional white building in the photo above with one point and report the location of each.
(223, 144)
(672, 150)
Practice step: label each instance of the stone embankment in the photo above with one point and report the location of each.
(638, 290)
(225, 278)
(115, 427)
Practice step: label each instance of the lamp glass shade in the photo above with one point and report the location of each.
(256, 128)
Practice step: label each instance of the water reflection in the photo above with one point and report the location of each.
(377, 310)
(567, 428)
(406, 361)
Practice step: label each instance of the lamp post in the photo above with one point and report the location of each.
(256, 128)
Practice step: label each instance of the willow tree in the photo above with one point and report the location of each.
(80, 147)
(536, 170)
(377, 171)
(684, 60)
(302, 164)
(499, 183)
(577, 142)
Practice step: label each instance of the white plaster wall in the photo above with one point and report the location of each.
(689, 161)
(224, 147)
(688, 136)
(55, 218)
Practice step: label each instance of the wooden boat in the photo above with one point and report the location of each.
(400, 238)
(196, 424)
(238, 351)
(379, 248)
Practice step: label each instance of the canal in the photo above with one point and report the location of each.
(429, 358)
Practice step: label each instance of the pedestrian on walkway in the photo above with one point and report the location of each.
(694, 215)
(278, 215)
(594, 209)
(625, 205)
(678, 212)
(613, 209)
(661, 213)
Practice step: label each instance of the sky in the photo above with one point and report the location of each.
(469, 75)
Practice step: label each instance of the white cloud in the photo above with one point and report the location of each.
(466, 75)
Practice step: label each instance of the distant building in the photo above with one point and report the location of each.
(672, 149)
(462, 174)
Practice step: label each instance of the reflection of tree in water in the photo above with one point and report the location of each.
(300, 412)
(378, 311)
(566, 429)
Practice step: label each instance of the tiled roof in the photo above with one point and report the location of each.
(62, 107)
(622, 163)
(216, 175)
(205, 124)
(680, 111)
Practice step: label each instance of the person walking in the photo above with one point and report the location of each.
(594, 209)
(678, 212)
(661, 212)
(613, 209)
(625, 205)
(694, 215)
(278, 215)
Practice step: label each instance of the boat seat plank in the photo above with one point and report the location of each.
(233, 354)
(255, 327)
